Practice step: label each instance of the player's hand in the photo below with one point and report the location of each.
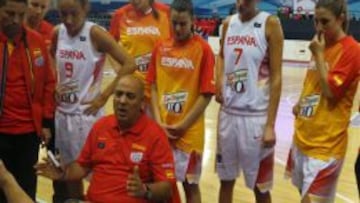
(218, 91)
(134, 185)
(165, 128)
(219, 96)
(45, 135)
(49, 170)
(269, 138)
(176, 131)
(296, 109)
(94, 105)
(317, 44)
(58, 92)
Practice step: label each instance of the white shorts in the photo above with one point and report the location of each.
(313, 177)
(71, 131)
(239, 148)
(187, 166)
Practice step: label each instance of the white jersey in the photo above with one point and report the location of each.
(246, 66)
(79, 68)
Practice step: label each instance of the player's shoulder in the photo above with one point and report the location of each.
(272, 20)
(122, 10)
(199, 39)
(161, 6)
(227, 20)
(47, 25)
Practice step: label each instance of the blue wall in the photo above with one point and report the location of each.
(354, 9)
(219, 7)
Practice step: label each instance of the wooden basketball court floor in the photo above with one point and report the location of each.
(283, 191)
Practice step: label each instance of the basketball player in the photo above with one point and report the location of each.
(181, 78)
(35, 19)
(323, 110)
(248, 89)
(138, 26)
(79, 48)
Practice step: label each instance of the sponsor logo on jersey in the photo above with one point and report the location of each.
(39, 59)
(149, 30)
(82, 38)
(243, 40)
(136, 157)
(174, 102)
(257, 25)
(308, 105)
(238, 80)
(169, 174)
(68, 92)
(71, 54)
(142, 62)
(177, 62)
(101, 145)
(167, 165)
(37, 52)
(338, 80)
(138, 147)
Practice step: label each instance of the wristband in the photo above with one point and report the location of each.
(63, 175)
(148, 194)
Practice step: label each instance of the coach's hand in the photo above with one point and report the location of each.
(269, 138)
(49, 170)
(134, 185)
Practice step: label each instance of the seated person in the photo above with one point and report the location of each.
(128, 154)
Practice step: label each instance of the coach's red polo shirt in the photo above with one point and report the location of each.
(112, 156)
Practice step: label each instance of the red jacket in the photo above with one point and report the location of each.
(39, 79)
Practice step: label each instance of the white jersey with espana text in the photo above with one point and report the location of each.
(246, 66)
(79, 68)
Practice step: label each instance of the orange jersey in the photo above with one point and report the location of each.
(139, 32)
(321, 125)
(181, 73)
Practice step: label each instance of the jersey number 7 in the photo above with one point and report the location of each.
(238, 52)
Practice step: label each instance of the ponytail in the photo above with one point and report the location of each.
(155, 12)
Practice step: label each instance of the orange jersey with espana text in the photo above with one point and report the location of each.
(321, 125)
(138, 33)
(181, 73)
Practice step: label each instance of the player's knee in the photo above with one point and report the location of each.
(227, 184)
(191, 188)
(357, 166)
(262, 196)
